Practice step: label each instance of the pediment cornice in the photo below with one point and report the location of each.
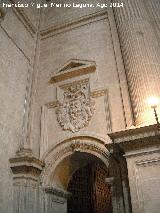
(73, 68)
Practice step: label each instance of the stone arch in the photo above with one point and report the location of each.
(57, 157)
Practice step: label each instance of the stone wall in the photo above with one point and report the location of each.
(36, 45)
(17, 50)
(139, 41)
(143, 171)
(90, 37)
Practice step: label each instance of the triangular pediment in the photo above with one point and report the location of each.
(71, 65)
(73, 68)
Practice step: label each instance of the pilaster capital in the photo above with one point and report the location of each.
(137, 138)
(25, 166)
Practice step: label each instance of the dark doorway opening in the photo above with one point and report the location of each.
(90, 193)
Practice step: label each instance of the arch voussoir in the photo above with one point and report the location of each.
(85, 145)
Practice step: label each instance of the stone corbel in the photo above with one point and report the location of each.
(110, 181)
(25, 167)
(116, 152)
(58, 195)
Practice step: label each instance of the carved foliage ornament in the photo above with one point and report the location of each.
(77, 108)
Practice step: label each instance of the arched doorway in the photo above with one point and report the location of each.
(61, 165)
(89, 191)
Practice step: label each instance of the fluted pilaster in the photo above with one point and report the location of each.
(26, 170)
(139, 45)
(154, 10)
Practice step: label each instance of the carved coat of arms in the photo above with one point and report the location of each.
(77, 107)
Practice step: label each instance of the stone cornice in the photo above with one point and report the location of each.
(98, 93)
(62, 74)
(94, 94)
(25, 166)
(87, 19)
(137, 138)
(25, 20)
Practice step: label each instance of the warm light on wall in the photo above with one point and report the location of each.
(153, 101)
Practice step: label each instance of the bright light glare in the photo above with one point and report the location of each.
(153, 101)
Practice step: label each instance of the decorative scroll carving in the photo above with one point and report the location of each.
(52, 104)
(79, 145)
(77, 107)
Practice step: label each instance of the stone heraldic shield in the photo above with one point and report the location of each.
(77, 107)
